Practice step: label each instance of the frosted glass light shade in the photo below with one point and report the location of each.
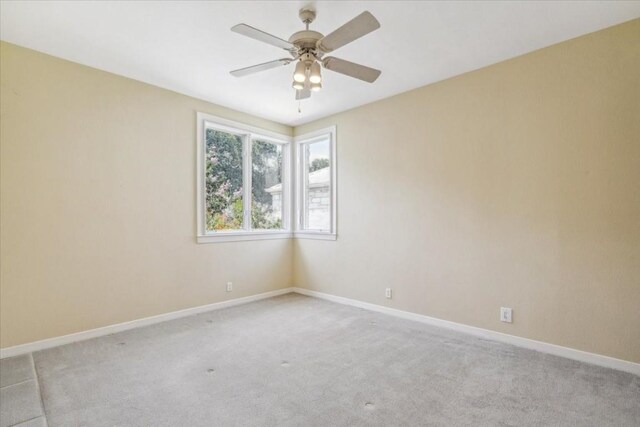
(314, 74)
(300, 74)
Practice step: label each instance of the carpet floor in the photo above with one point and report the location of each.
(300, 361)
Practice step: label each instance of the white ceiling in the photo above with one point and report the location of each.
(188, 47)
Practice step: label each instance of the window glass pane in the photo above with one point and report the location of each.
(223, 181)
(317, 185)
(266, 185)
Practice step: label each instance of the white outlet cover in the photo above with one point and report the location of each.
(506, 314)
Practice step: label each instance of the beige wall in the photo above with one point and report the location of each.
(98, 203)
(515, 185)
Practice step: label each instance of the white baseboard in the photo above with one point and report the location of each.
(119, 327)
(569, 353)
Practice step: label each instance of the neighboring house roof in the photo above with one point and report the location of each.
(319, 178)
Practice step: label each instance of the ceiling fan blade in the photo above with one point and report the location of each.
(260, 67)
(359, 26)
(254, 33)
(303, 94)
(351, 69)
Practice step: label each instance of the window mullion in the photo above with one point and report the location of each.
(246, 181)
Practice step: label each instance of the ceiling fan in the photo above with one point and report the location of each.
(308, 48)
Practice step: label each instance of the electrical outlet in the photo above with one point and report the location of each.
(229, 286)
(387, 293)
(505, 314)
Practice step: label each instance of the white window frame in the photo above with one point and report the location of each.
(299, 142)
(248, 135)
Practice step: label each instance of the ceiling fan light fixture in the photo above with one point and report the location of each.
(306, 50)
(314, 74)
(300, 75)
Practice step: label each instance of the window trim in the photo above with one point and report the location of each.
(298, 141)
(248, 134)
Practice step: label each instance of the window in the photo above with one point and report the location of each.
(245, 183)
(243, 186)
(266, 185)
(316, 185)
(223, 181)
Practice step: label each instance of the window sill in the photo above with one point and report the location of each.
(240, 236)
(315, 235)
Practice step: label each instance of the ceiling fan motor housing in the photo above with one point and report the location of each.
(305, 39)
